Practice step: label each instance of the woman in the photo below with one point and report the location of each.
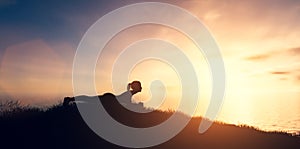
(132, 88)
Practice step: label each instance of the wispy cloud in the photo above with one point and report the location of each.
(289, 52)
(295, 50)
(258, 57)
(298, 77)
(280, 72)
(282, 64)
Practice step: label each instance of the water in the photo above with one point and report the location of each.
(268, 115)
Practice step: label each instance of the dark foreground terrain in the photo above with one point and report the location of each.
(62, 127)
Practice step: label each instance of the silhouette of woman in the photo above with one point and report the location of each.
(124, 99)
(132, 88)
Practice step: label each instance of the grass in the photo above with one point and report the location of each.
(63, 127)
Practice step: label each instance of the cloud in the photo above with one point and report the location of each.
(288, 52)
(298, 77)
(258, 57)
(291, 74)
(282, 64)
(280, 72)
(295, 50)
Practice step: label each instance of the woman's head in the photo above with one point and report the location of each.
(136, 86)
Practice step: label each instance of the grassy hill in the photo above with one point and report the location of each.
(62, 127)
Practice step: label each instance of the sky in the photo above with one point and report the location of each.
(259, 42)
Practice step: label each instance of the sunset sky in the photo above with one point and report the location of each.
(259, 42)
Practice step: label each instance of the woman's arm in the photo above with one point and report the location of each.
(128, 87)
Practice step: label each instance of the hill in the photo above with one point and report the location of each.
(62, 127)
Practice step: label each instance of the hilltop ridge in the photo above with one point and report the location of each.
(62, 127)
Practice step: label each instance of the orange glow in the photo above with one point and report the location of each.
(33, 69)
